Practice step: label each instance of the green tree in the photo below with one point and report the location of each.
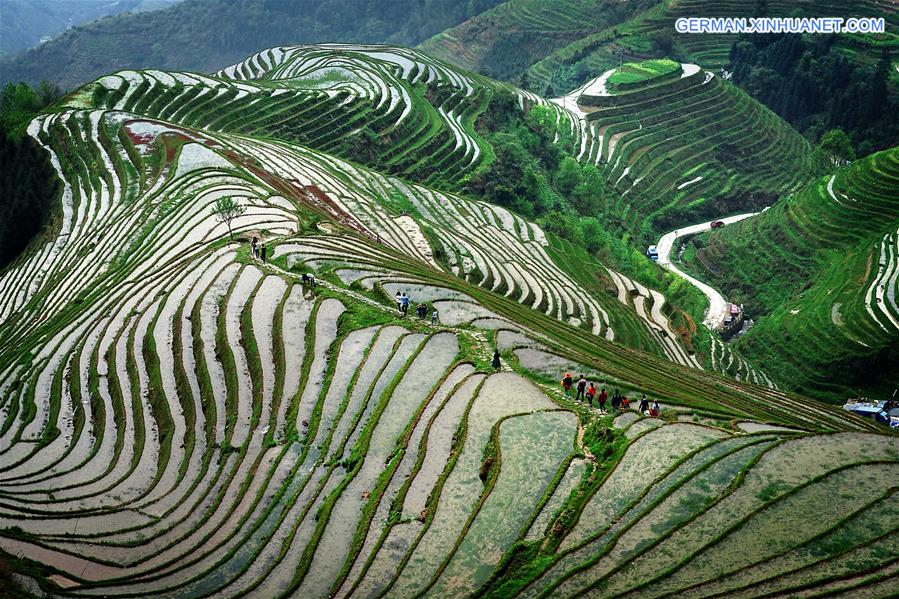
(543, 120)
(19, 103)
(568, 176)
(837, 147)
(226, 210)
(834, 150)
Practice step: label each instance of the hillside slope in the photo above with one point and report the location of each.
(180, 418)
(205, 35)
(403, 113)
(818, 270)
(504, 41)
(25, 24)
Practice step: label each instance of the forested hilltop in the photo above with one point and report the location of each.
(205, 35)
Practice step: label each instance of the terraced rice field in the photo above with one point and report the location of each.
(672, 144)
(180, 419)
(849, 220)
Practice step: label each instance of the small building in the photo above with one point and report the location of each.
(886, 412)
(733, 320)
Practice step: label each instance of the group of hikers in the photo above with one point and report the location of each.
(403, 301)
(260, 252)
(587, 392)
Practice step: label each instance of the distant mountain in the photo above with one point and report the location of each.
(505, 41)
(26, 23)
(205, 35)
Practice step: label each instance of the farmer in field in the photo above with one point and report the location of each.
(602, 400)
(496, 362)
(566, 384)
(591, 393)
(581, 388)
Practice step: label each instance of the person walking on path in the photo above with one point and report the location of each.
(602, 400)
(405, 301)
(421, 310)
(581, 389)
(591, 393)
(644, 405)
(496, 362)
(263, 252)
(616, 400)
(435, 318)
(399, 301)
(566, 383)
(255, 245)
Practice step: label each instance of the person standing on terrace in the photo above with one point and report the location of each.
(255, 245)
(405, 303)
(581, 389)
(603, 396)
(496, 362)
(644, 405)
(566, 384)
(263, 252)
(591, 393)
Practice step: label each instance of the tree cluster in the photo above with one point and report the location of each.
(28, 182)
(812, 83)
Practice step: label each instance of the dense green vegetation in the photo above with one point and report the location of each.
(537, 178)
(636, 74)
(205, 35)
(651, 33)
(504, 41)
(28, 183)
(815, 86)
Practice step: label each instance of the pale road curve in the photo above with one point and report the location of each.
(714, 316)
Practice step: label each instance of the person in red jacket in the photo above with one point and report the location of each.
(591, 393)
(602, 400)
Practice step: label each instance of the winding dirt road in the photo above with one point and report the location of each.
(714, 316)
